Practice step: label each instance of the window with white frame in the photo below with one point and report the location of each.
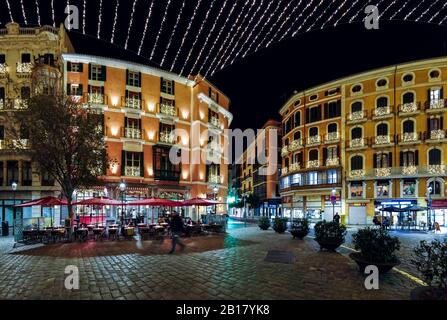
(167, 86)
(356, 189)
(96, 72)
(133, 79)
(383, 188)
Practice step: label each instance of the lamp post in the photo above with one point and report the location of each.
(245, 210)
(14, 189)
(122, 187)
(333, 200)
(429, 191)
(215, 190)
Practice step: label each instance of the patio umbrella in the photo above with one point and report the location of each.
(98, 201)
(46, 202)
(155, 202)
(199, 202)
(416, 208)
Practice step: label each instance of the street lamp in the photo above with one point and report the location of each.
(216, 190)
(122, 187)
(429, 191)
(14, 189)
(333, 200)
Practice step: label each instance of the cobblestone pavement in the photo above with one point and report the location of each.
(233, 272)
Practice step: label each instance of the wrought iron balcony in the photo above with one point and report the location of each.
(296, 144)
(2, 104)
(96, 98)
(331, 162)
(132, 171)
(382, 172)
(24, 69)
(168, 110)
(382, 140)
(436, 169)
(410, 107)
(409, 170)
(332, 136)
(284, 171)
(313, 164)
(20, 104)
(410, 137)
(132, 133)
(295, 167)
(382, 112)
(2, 144)
(437, 104)
(215, 179)
(357, 116)
(3, 70)
(215, 122)
(285, 151)
(313, 140)
(358, 143)
(133, 103)
(167, 137)
(437, 134)
(355, 174)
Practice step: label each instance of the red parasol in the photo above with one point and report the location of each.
(100, 202)
(155, 202)
(198, 202)
(43, 202)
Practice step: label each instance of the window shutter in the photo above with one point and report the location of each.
(209, 92)
(125, 122)
(127, 77)
(80, 90)
(338, 112)
(416, 157)
(428, 125)
(139, 79)
(68, 89)
(207, 171)
(139, 124)
(123, 163)
(68, 65)
(161, 84)
(102, 90)
(81, 67)
(140, 97)
(89, 89)
(326, 111)
(90, 71)
(104, 73)
(401, 156)
(300, 158)
(324, 156)
(127, 94)
(375, 160)
(217, 97)
(442, 93)
(173, 87)
(307, 116)
(142, 164)
(390, 159)
(441, 122)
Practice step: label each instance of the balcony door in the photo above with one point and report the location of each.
(164, 169)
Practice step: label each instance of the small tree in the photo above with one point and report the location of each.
(66, 140)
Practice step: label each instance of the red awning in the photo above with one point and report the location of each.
(43, 202)
(155, 202)
(198, 202)
(101, 201)
(439, 204)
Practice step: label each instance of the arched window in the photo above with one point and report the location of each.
(297, 119)
(356, 107)
(382, 102)
(408, 97)
(434, 157)
(313, 131)
(313, 155)
(382, 129)
(408, 126)
(332, 128)
(357, 163)
(436, 187)
(297, 135)
(357, 133)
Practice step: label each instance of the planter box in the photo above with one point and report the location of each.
(383, 267)
(300, 234)
(330, 245)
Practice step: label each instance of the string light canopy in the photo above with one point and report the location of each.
(197, 36)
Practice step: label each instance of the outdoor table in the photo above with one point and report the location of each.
(82, 233)
(98, 232)
(113, 232)
(141, 225)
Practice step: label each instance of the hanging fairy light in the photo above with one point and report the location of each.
(38, 12)
(414, 9)
(346, 12)
(185, 35)
(115, 20)
(84, 9)
(160, 30)
(218, 36)
(398, 11)
(226, 38)
(223, 59)
(208, 36)
(197, 36)
(387, 8)
(9, 9)
(252, 30)
(52, 13)
(296, 20)
(437, 13)
(179, 16)
(319, 17)
(130, 23)
(426, 11)
(149, 14)
(307, 18)
(99, 19)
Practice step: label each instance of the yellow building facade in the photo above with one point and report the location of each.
(392, 142)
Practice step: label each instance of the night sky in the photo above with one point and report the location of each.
(261, 82)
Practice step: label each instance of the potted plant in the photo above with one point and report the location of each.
(264, 223)
(280, 224)
(430, 260)
(329, 235)
(300, 228)
(376, 248)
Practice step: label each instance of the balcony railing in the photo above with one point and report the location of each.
(357, 116)
(285, 151)
(331, 137)
(215, 122)
(355, 174)
(284, 171)
(331, 162)
(215, 179)
(167, 137)
(296, 144)
(358, 143)
(167, 175)
(2, 144)
(96, 98)
(20, 104)
(410, 107)
(313, 164)
(382, 111)
(17, 144)
(2, 104)
(133, 103)
(295, 167)
(410, 170)
(24, 69)
(410, 137)
(437, 104)
(382, 172)
(436, 169)
(437, 134)
(132, 171)
(313, 140)
(3, 70)
(132, 133)
(382, 140)
(168, 110)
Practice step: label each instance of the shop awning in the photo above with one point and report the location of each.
(439, 204)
